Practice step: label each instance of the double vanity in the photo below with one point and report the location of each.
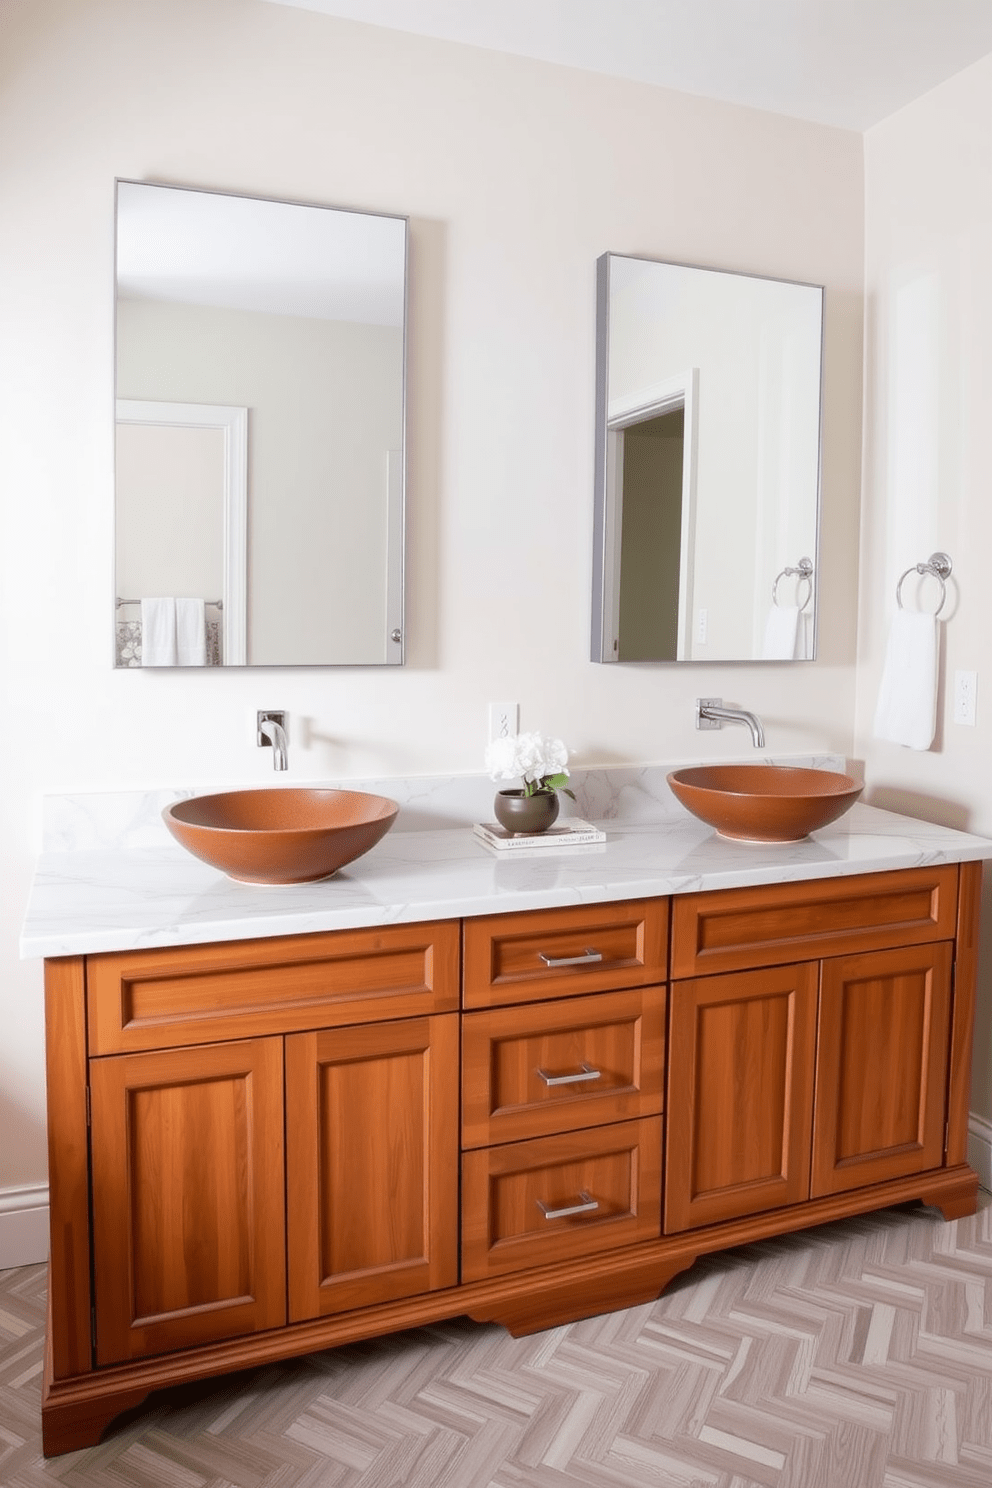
(522, 1087)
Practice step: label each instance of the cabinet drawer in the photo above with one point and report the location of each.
(513, 958)
(771, 926)
(204, 994)
(534, 1203)
(559, 1066)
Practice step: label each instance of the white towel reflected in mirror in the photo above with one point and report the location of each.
(784, 633)
(173, 632)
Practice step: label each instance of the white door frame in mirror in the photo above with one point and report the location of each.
(233, 425)
(750, 462)
(675, 393)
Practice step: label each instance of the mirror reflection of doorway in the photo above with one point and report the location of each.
(182, 510)
(651, 472)
(652, 460)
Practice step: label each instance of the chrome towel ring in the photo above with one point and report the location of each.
(803, 570)
(939, 566)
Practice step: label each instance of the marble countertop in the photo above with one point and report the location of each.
(113, 897)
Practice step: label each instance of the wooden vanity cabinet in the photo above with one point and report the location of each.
(262, 1149)
(802, 1080)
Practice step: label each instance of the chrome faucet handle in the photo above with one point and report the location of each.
(273, 734)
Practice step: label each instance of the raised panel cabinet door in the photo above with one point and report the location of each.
(188, 1196)
(740, 1094)
(371, 1163)
(881, 1078)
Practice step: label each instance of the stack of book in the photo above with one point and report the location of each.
(571, 833)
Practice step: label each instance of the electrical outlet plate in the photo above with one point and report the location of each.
(504, 720)
(965, 697)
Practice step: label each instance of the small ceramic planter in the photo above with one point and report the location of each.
(520, 813)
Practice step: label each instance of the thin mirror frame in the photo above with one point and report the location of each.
(602, 605)
(395, 558)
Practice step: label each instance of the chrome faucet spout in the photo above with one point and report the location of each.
(271, 732)
(711, 713)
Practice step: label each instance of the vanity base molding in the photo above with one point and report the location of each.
(76, 1412)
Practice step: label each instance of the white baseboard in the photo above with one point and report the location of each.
(980, 1148)
(23, 1226)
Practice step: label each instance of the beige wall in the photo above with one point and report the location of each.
(516, 175)
(928, 457)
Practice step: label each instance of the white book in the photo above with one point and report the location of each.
(571, 833)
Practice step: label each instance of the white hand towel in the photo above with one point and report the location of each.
(191, 633)
(907, 697)
(158, 632)
(781, 633)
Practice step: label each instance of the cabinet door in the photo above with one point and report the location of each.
(881, 1076)
(740, 1094)
(371, 1163)
(188, 1196)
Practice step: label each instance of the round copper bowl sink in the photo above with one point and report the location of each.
(283, 836)
(764, 803)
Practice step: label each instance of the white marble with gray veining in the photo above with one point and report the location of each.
(124, 884)
(127, 819)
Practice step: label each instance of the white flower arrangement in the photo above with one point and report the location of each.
(538, 761)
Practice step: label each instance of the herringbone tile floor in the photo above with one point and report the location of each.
(854, 1356)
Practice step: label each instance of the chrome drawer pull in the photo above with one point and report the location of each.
(585, 1073)
(586, 1205)
(586, 959)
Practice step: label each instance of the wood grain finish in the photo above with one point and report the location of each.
(68, 1166)
(776, 924)
(614, 1042)
(881, 1069)
(371, 1162)
(516, 1198)
(502, 953)
(199, 994)
(963, 1013)
(740, 1094)
(75, 1412)
(188, 1196)
(363, 1087)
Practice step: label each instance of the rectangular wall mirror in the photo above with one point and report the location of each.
(707, 464)
(260, 397)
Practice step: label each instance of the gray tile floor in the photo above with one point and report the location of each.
(858, 1355)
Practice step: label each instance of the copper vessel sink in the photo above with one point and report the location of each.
(287, 836)
(764, 803)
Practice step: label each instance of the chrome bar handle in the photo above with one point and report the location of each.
(585, 1073)
(586, 1205)
(586, 959)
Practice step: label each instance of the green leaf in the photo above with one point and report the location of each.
(557, 782)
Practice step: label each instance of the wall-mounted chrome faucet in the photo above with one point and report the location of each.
(711, 714)
(273, 734)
